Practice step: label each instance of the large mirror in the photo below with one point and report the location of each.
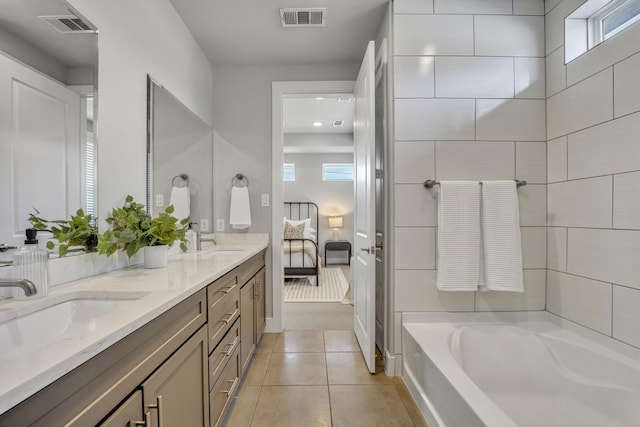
(180, 159)
(48, 112)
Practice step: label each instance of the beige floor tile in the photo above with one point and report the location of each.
(300, 342)
(242, 410)
(315, 316)
(296, 369)
(340, 341)
(292, 406)
(267, 342)
(367, 406)
(257, 369)
(350, 368)
(409, 403)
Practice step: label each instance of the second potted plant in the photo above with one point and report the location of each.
(132, 228)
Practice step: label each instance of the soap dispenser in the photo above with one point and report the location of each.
(31, 263)
(191, 236)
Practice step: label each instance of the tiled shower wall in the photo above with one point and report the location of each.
(593, 119)
(469, 105)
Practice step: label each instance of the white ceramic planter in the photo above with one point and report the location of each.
(155, 256)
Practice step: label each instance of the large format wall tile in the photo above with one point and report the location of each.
(581, 203)
(607, 255)
(473, 7)
(534, 247)
(557, 159)
(510, 119)
(415, 248)
(626, 316)
(414, 161)
(474, 77)
(557, 248)
(474, 160)
(586, 104)
(556, 72)
(531, 162)
(433, 119)
(626, 88)
(581, 300)
(528, 7)
(533, 297)
(413, 77)
(608, 148)
(413, 6)
(529, 77)
(416, 291)
(532, 200)
(433, 35)
(626, 201)
(509, 35)
(415, 206)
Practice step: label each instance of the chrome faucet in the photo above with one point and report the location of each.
(27, 285)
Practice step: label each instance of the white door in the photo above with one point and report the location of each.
(365, 232)
(39, 149)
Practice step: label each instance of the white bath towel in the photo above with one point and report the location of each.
(181, 200)
(458, 236)
(501, 241)
(240, 210)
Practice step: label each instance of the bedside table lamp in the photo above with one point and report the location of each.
(335, 222)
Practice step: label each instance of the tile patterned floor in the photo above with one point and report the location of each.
(318, 378)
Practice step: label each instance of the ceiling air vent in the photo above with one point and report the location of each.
(68, 24)
(338, 123)
(307, 17)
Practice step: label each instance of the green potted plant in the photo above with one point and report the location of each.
(132, 228)
(79, 233)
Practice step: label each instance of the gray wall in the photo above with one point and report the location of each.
(593, 123)
(332, 198)
(242, 123)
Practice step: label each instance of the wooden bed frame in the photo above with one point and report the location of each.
(298, 211)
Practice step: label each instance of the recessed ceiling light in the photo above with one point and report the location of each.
(317, 124)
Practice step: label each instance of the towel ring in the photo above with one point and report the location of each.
(182, 178)
(240, 178)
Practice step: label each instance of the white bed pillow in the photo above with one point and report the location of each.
(309, 233)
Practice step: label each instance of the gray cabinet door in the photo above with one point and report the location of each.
(247, 336)
(176, 394)
(259, 305)
(128, 414)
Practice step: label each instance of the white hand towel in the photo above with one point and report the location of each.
(240, 211)
(458, 236)
(181, 200)
(501, 239)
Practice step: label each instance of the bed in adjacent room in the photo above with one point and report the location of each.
(301, 255)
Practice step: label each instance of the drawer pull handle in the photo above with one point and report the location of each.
(231, 346)
(231, 316)
(157, 405)
(228, 289)
(233, 386)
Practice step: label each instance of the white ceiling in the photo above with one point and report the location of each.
(249, 31)
(301, 113)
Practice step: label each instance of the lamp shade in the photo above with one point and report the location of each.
(335, 222)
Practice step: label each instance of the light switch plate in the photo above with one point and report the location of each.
(204, 225)
(265, 200)
(220, 225)
(160, 200)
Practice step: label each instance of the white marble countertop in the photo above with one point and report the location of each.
(24, 371)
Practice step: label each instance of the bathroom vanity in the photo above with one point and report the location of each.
(171, 353)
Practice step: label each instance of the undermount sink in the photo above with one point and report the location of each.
(73, 318)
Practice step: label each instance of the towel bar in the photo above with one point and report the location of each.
(185, 180)
(240, 177)
(430, 183)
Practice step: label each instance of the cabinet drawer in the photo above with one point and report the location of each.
(225, 388)
(249, 268)
(218, 292)
(222, 353)
(221, 318)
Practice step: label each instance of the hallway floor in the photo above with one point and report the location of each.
(319, 378)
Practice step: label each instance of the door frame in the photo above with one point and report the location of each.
(279, 90)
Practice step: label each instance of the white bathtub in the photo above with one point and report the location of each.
(518, 369)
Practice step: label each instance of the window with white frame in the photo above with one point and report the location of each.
(337, 171)
(596, 21)
(289, 172)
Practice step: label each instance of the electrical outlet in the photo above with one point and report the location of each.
(204, 225)
(265, 200)
(220, 225)
(160, 200)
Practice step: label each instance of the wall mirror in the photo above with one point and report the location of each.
(48, 113)
(179, 159)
